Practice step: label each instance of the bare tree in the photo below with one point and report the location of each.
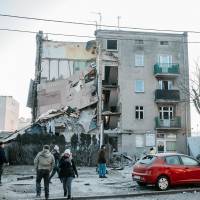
(192, 93)
(195, 88)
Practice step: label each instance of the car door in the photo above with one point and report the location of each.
(192, 169)
(175, 170)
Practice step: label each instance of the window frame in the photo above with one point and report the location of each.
(107, 45)
(139, 111)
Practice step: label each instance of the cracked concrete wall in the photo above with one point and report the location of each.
(73, 92)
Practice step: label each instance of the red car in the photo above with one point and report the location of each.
(166, 169)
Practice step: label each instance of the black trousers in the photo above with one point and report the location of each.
(1, 171)
(42, 174)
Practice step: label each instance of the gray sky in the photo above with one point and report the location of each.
(17, 50)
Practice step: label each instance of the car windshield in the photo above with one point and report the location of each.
(147, 159)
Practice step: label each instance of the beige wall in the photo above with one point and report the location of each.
(11, 113)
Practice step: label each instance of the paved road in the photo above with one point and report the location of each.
(182, 196)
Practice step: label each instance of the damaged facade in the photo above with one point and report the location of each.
(139, 74)
(65, 77)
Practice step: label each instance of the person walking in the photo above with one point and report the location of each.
(56, 154)
(2, 159)
(67, 172)
(152, 151)
(44, 163)
(102, 162)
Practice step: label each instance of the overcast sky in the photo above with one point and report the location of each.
(17, 50)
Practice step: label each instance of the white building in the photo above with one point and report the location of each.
(9, 113)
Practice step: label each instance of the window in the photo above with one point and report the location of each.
(139, 112)
(189, 161)
(165, 61)
(172, 160)
(166, 112)
(165, 85)
(112, 44)
(164, 42)
(149, 159)
(139, 41)
(139, 60)
(139, 86)
(171, 146)
(139, 141)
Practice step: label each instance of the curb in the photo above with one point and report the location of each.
(132, 194)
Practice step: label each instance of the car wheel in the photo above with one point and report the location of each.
(141, 183)
(162, 183)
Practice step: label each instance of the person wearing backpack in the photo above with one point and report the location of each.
(67, 172)
(44, 163)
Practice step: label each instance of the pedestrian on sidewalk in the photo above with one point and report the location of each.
(2, 159)
(102, 162)
(67, 172)
(44, 163)
(56, 154)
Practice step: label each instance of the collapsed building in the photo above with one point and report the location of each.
(124, 84)
(65, 78)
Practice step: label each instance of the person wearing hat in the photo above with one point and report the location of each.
(67, 172)
(56, 154)
(2, 159)
(44, 163)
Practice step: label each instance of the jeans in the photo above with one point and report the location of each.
(1, 171)
(67, 185)
(102, 170)
(42, 173)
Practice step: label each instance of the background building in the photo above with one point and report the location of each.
(145, 79)
(9, 113)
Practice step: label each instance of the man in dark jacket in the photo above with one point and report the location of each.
(67, 172)
(2, 159)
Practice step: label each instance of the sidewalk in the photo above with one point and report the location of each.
(88, 183)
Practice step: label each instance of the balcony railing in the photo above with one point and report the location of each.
(166, 69)
(167, 95)
(174, 123)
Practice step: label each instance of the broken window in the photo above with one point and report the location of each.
(111, 76)
(139, 112)
(112, 44)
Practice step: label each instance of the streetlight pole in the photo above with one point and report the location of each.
(99, 72)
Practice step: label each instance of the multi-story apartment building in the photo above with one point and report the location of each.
(144, 90)
(9, 113)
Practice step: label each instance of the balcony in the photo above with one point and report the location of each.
(174, 123)
(166, 69)
(170, 96)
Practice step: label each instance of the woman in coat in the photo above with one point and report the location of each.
(67, 172)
